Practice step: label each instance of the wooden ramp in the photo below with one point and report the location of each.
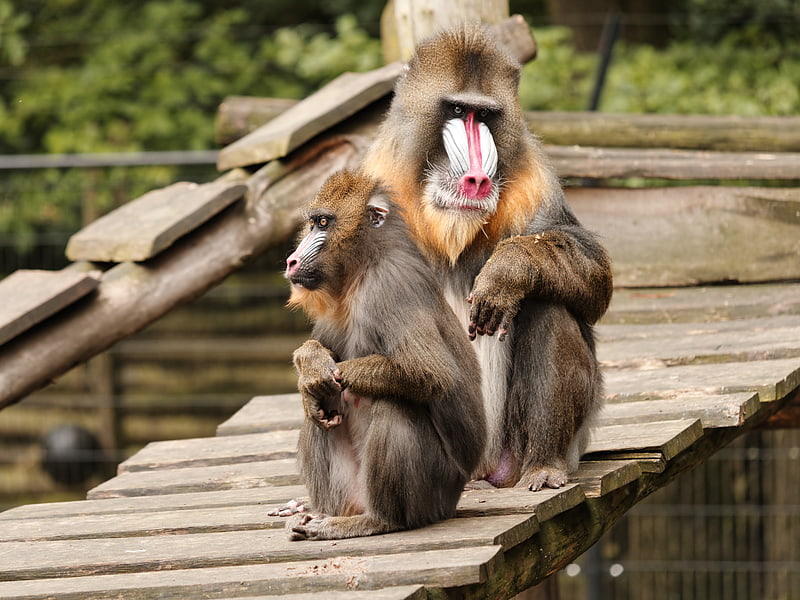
(687, 371)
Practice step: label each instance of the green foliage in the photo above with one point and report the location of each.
(134, 77)
(733, 76)
(712, 20)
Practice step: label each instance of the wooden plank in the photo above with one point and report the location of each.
(407, 592)
(142, 505)
(699, 132)
(545, 504)
(695, 235)
(772, 379)
(74, 558)
(29, 296)
(199, 479)
(341, 98)
(434, 568)
(727, 410)
(667, 437)
(135, 522)
(599, 477)
(702, 303)
(672, 344)
(200, 452)
(146, 226)
(265, 413)
(610, 163)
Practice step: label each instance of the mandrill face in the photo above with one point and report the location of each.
(466, 180)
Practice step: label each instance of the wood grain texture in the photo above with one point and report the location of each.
(30, 296)
(144, 227)
(609, 163)
(341, 98)
(694, 235)
(445, 568)
(239, 115)
(60, 558)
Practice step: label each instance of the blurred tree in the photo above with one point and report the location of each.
(98, 76)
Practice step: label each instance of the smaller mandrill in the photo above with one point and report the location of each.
(390, 384)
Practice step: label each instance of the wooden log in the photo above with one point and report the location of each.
(600, 477)
(199, 479)
(690, 132)
(405, 23)
(728, 410)
(621, 163)
(265, 413)
(200, 452)
(109, 508)
(695, 235)
(239, 115)
(146, 226)
(28, 297)
(132, 295)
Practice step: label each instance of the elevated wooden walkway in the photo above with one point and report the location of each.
(687, 371)
(689, 367)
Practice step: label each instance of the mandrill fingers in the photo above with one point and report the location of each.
(318, 382)
(506, 278)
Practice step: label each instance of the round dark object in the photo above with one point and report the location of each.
(71, 454)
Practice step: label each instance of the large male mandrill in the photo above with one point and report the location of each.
(483, 203)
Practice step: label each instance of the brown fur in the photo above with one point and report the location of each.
(532, 272)
(389, 381)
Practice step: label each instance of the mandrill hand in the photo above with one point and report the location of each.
(318, 382)
(505, 279)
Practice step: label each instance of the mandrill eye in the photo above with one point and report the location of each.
(458, 109)
(322, 222)
(484, 113)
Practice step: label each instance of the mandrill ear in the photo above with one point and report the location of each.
(377, 209)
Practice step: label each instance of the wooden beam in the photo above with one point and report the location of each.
(622, 163)
(132, 295)
(239, 115)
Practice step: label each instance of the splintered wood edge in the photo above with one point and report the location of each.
(599, 477)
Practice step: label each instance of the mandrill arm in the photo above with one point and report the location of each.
(318, 383)
(564, 265)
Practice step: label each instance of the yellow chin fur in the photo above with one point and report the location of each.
(448, 234)
(316, 303)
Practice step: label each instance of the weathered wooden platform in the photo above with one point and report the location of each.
(687, 371)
